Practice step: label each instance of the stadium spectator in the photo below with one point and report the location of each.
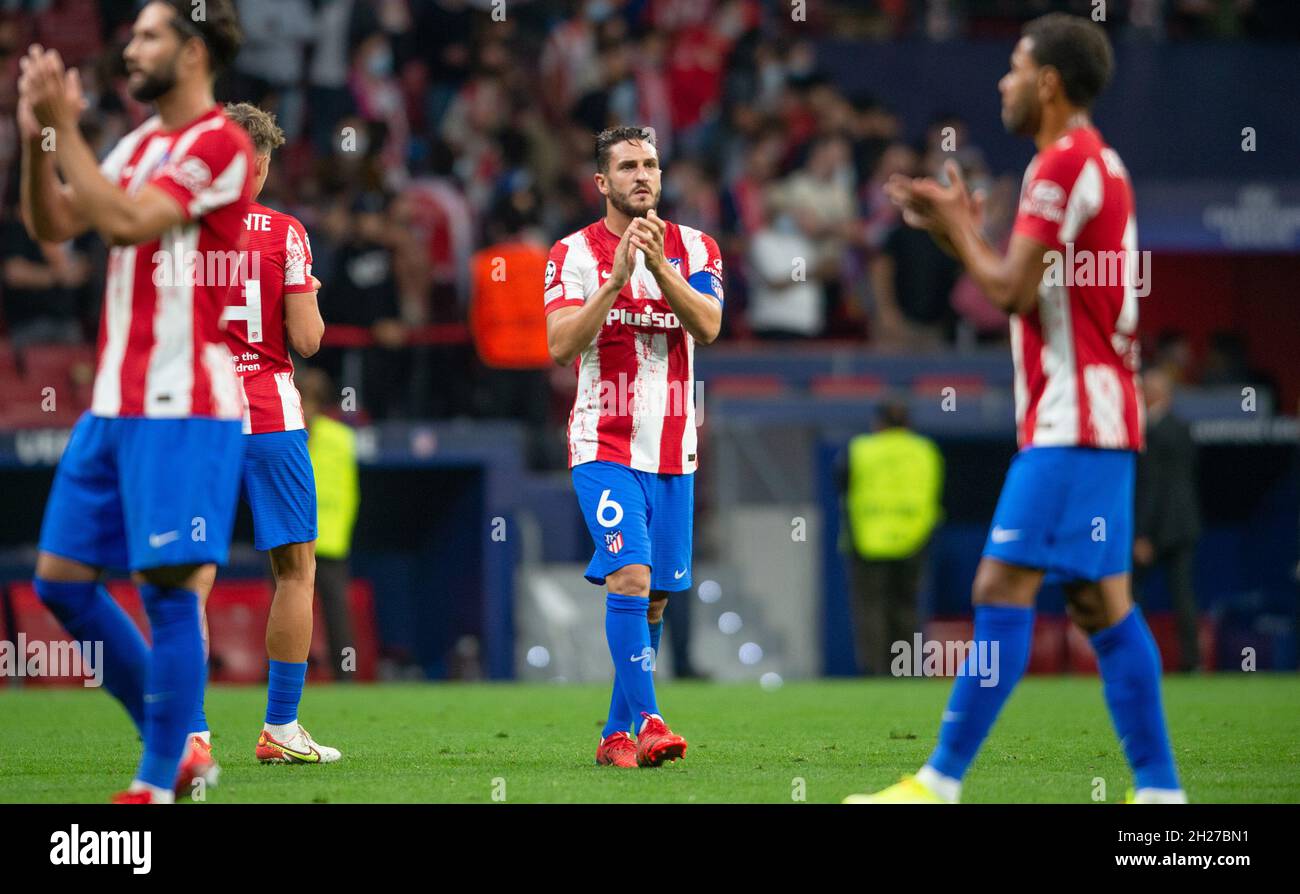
(509, 338)
(43, 286)
(787, 297)
(269, 69)
(362, 293)
(1167, 523)
(891, 481)
(912, 280)
(333, 450)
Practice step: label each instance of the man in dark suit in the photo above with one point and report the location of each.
(1168, 513)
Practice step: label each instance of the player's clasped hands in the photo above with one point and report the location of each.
(648, 236)
(47, 95)
(929, 205)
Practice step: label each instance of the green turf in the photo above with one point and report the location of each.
(1236, 737)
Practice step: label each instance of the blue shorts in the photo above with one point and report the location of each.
(1068, 511)
(132, 493)
(637, 518)
(279, 488)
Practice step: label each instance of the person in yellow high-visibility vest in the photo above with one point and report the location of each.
(333, 450)
(892, 485)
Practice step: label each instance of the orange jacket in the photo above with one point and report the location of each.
(505, 312)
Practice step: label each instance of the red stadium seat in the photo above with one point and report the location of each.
(55, 364)
(33, 619)
(745, 386)
(361, 603)
(1164, 629)
(8, 359)
(1047, 650)
(846, 386)
(933, 384)
(237, 612)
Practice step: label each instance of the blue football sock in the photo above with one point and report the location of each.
(284, 690)
(175, 683)
(199, 724)
(89, 614)
(656, 634)
(620, 713)
(1130, 677)
(974, 705)
(628, 636)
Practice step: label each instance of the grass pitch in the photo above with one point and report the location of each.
(1236, 738)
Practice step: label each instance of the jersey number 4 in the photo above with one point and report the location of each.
(250, 312)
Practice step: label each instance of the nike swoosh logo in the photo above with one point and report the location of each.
(158, 541)
(308, 757)
(678, 575)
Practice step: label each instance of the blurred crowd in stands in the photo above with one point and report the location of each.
(422, 132)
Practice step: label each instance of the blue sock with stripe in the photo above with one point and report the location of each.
(973, 704)
(284, 683)
(175, 681)
(199, 723)
(89, 614)
(1130, 676)
(628, 635)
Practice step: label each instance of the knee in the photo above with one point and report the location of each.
(1087, 610)
(630, 580)
(986, 589)
(295, 564)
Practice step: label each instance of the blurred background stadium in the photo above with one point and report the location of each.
(429, 137)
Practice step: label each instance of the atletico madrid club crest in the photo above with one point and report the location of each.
(613, 541)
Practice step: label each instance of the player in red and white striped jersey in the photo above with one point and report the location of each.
(627, 298)
(1069, 281)
(149, 479)
(643, 349)
(274, 309)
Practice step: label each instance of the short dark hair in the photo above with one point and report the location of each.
(1076, 47)
(218, 28)
(610, 137)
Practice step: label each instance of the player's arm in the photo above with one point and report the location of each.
(1009, 281)
(302, 320)
(121, 219)
(700, 314)
(569, 329)
(303, 326)
(952, 217)
(46, 203)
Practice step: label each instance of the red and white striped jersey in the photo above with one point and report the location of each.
(161, 349)
(277, 263)
(636, 380)
(1076, 352)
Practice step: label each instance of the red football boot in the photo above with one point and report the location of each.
(656, 743)
(617, 750)
(196, 764)
(144, 796)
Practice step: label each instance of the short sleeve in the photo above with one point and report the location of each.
(212, 173)
(1046, 196)
(705, 265)
(297, 259)
(563, 280)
